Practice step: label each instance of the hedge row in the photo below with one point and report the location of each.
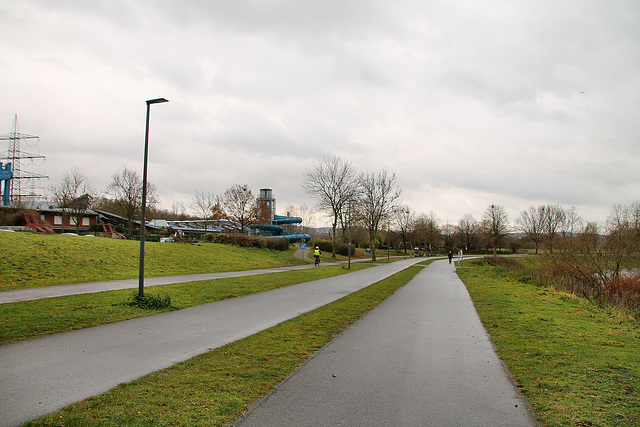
(341, 248)
(278, 244)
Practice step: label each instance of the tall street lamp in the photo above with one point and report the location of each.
(349, 235)
(388, 240)
(144, 197)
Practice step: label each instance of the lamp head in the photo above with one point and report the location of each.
(156, 101)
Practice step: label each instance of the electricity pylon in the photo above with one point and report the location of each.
(14, 155)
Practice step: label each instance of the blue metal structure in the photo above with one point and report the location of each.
(274, 229)
(5, 175)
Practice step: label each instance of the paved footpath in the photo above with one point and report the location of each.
(30, 294)
(421, 358)
(42, 375)
(44, 292)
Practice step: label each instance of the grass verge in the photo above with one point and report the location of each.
(215, 388)
(30, 319)
(576, 363)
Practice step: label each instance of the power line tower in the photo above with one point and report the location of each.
(21, 193)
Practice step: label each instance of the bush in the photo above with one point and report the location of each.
(244, 241)
(341, 248)
(148, 301)
(582, 280)
(278, 244)
(324, 245)
(12, 217)
(247, 241)
(624, 291)
(223, 239)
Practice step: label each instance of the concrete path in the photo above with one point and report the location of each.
(422, 358)
(42, 375)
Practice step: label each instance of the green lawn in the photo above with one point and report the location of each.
(31, 260)
(577, 363)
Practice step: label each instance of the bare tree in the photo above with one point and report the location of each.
(303, 212)
(203, 204)
(447, 235)
(531, 223)
(623, 235)
(378, 193)
(427, 229)
(467, 230)
(240, 207)
(178, 211)
(332, 182)
(432, 231)
(73, 195)
(553, 216)
(495, 224)
(583, 262)
(308, 218)
(403, 219)
(170, 215)
(126, 189)
(570, 222)
(590, 261)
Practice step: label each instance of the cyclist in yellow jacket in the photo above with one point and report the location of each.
(316, 255)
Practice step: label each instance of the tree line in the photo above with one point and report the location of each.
(74, 193)
(584, 257)
(369, 201)
(123, 196)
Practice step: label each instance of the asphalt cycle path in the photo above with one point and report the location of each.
(421, 358)
(30, 294)
(42, 375)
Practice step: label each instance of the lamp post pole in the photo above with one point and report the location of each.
(388, 240)
(406, 228)
(144, 197)
(349, 267)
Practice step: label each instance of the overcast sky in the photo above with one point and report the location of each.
(470, 103)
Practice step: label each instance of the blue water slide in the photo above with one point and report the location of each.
(296, 237)
(281, 219)
(278, 231)
(267, 227)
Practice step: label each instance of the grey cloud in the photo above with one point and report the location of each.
(467, 101)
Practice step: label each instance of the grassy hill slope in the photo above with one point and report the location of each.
(32, 260)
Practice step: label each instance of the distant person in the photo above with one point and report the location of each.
(450, 256)
(316, 255)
